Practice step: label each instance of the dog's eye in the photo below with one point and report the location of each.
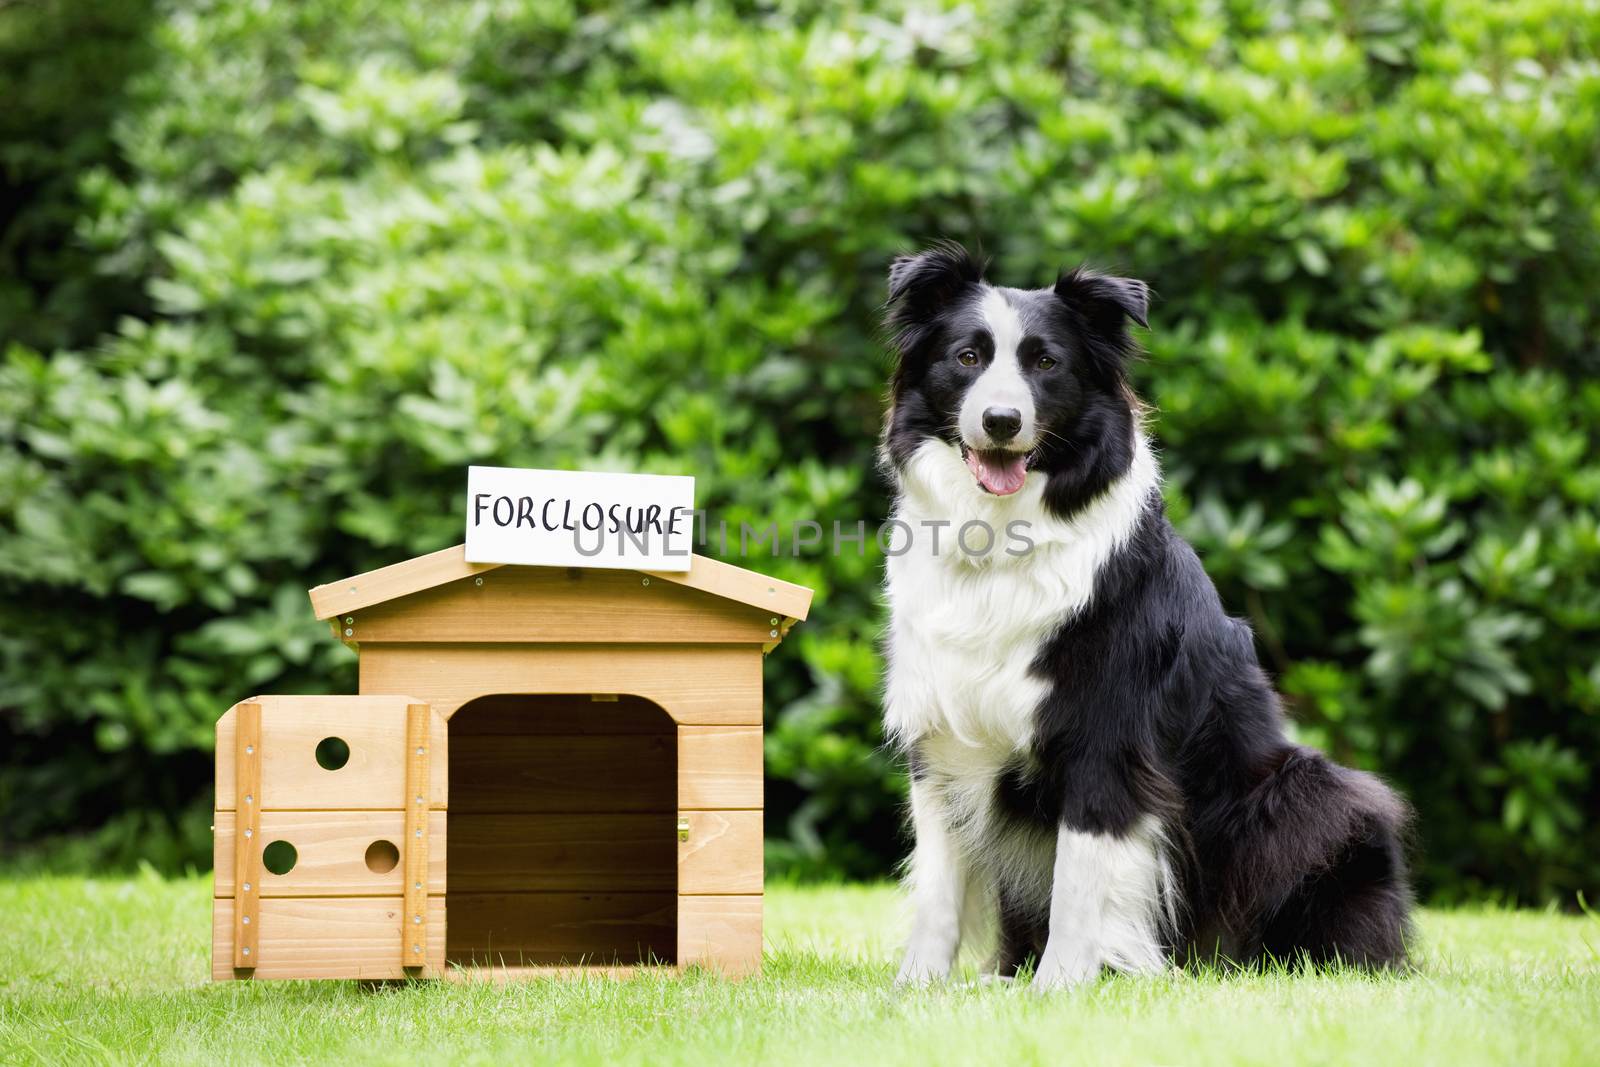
(1046, 362)
(967, 358)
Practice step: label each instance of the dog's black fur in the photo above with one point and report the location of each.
(1157, 703)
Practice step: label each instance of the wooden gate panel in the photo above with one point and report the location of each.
(330, 864)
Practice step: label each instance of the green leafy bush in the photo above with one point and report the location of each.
(372, 243)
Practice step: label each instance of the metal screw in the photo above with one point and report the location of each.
(774, 620)
(414, 948)
(349, 620)
(249, 799)
(417, 885)
(249, 750)
(772, 633)
(645, 582)
(419, 800)
(247, 950)
(477, 581)
(245, 920)
(419, 833)
(247, 887)
(420, 750)
(349, 632)
(249, 833)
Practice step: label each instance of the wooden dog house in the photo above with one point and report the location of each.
(566, 763)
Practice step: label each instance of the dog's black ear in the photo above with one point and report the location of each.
(919, 285)
(1104, 300)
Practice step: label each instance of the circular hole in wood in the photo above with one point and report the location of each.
(332, 753)
(279, 857)
(382, 856)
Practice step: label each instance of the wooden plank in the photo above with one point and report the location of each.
(713, 685)
(581, 853)
(374, 727)
(418, 755)
(327, 937)
(331, 853)
(350, 595)
(722, 854)
(559, 604)
(720, 767)
(722, 933)
(563, 773)
(498, 973)
(247, 843)
(543, 928)
(769, 595)
(396, 580)
(559, 713)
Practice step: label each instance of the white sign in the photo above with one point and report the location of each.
(579, 518)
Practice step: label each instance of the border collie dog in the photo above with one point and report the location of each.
(1097, 759)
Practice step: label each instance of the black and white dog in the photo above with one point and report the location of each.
(1096, 756)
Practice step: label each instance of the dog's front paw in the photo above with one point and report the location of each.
(1065, 968)
(920, 971)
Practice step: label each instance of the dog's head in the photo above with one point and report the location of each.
(1025, 383)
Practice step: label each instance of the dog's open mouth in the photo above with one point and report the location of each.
(998, 471)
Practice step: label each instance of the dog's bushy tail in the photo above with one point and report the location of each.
(1317, 867)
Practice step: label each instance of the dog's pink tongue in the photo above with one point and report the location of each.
(1002, 473)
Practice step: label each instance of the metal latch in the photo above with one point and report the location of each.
(683, 828)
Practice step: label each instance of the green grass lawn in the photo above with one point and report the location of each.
(117, 970)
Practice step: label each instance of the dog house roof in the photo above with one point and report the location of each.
(707, 575)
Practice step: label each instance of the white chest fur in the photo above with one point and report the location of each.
(965, 629)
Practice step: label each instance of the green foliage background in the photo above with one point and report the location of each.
(272, 274)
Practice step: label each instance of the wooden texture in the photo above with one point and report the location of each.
(712, 685)
(748, 587)
(247, 843)
(555, 604)
(351, 595)
(721, 933)
(416, 844)
(563, 773)
(292, 726)
(576, 853)
(528, 715)
(332, 848)
(544, 928)
(500, 973)
(327, 937)
(396, 580)
(719, 767)
(722, 854)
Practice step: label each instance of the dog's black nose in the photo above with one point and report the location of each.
(1002, 424)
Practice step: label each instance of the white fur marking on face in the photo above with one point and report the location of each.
(1002, 383)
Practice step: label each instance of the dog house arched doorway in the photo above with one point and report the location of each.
(562, 845)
